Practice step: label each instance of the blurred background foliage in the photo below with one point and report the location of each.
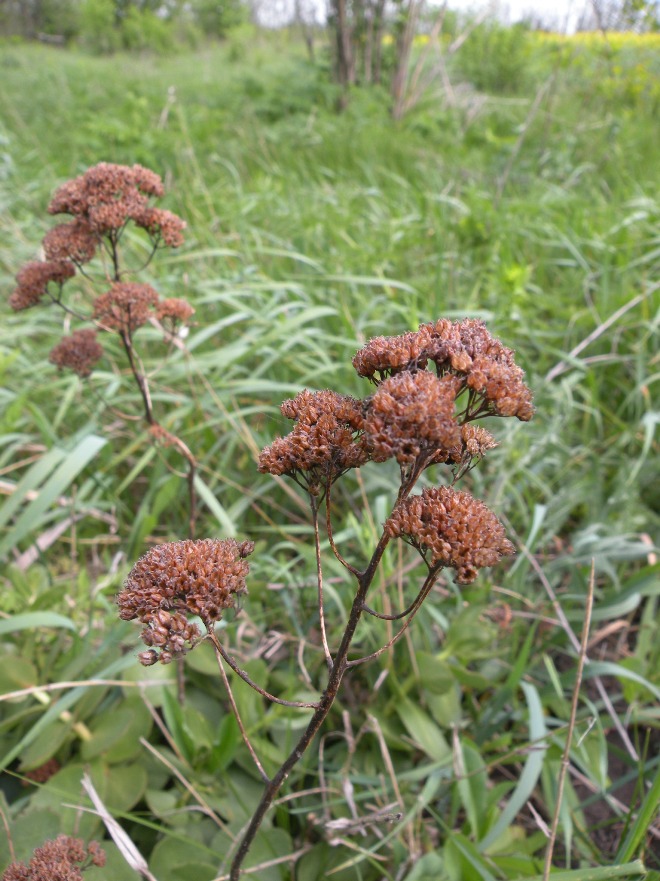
(522, 186)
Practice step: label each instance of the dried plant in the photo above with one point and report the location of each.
(417, 416)
(103, 202)
(63, 859)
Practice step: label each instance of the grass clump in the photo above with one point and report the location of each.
(309, 234)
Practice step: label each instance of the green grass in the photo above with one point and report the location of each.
(308, 233)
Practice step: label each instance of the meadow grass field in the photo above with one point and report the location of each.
(524, 189)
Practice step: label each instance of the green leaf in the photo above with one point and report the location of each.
(30, 481)
(17, 673)
(45, 746)
(531, 770)
(206, 495)
(646, 814)
(423, 730)
(116, 732)
(608, 668)
(225, 745)
(472, 784)
(603, 873)
(28, 831)
(32, 620)
(56, 485)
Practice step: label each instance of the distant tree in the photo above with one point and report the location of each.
(362, 54)
(33, 18)
(216, 17)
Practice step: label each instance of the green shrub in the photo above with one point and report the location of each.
(495, 58)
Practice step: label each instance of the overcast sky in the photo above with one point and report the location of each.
(561, 15)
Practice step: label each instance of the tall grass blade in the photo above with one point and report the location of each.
(531, 772)
(55, 486)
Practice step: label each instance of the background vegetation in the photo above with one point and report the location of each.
(522, 187)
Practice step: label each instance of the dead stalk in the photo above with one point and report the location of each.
(566, 757)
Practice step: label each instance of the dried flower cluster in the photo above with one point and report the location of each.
(326, 441)
(126, 306)
(107, 196)
(102, 201)
(64, 859)
(173, 310)
(33, 280)
(456, 530)
(183, 578)
(465, 349)
(79, 352)
(412, 414)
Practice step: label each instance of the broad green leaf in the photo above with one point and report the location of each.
(423, 730)
(116, 731)
(32, 620)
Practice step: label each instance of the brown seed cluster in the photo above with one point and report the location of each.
(453, 529)
(178, 579)
(326, 441)
(412, 415)
(174, 310)
(388, 355)
(126, 306)
(162, 225)
(474, 444)
(465, 349)
(74, 241)
(107, 196)
(63, 859)
(79, 352)
(33, 280)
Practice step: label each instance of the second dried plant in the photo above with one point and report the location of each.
(430, 387)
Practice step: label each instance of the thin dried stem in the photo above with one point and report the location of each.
(566, 757)
(239, 721)
(398, 617)
(328, 526)
(416, 606)
(319, 580)
(224, 654)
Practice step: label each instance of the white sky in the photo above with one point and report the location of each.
(561, 15)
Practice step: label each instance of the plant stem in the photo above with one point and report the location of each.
(325, 704)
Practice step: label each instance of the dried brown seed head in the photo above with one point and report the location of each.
(174, 310)
(126, 306)
(326, 441)
(386, 356)
(165, 225)
(451, 529)
(79, 352)
(182, 578)
(63, 859)
(33, 280)
(74, 241)
(412, 415)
